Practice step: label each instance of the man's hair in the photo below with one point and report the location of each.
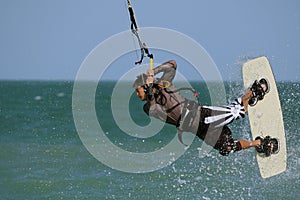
(140, 80)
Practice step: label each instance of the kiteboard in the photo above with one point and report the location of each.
(266, 116)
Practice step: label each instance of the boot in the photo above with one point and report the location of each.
(258, 91)
(267, 146)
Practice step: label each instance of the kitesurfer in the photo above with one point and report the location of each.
(209, 123)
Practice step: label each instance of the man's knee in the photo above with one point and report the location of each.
(232, 146)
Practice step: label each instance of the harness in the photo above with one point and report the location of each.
(189, 108)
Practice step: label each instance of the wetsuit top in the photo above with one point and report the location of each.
(169, 106)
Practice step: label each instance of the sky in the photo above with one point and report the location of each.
(49, 40)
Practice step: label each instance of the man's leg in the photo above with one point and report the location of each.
(245, 144)
(245, 99)
(248, 144)
(226, 144)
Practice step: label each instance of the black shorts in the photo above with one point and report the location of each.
(220, 138)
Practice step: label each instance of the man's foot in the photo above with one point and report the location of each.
(252, 101)
(267, 146)
(259, 89)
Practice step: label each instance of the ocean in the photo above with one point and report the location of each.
(43, 155)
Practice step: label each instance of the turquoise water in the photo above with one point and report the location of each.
(42, 156)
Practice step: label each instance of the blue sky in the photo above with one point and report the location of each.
(48, 40)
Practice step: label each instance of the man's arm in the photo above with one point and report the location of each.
(168, 69)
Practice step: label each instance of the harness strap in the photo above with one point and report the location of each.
(186, 118)
(180, 137)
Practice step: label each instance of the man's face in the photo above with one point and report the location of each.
(141, 93)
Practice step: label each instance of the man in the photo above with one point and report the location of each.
(209, 123)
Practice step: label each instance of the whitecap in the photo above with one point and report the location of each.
(61, 94)
(37, 98)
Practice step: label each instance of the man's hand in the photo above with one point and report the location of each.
(150, 77)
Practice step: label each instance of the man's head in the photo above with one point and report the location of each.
(141, 80)
(141, 93)
(140, 86)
